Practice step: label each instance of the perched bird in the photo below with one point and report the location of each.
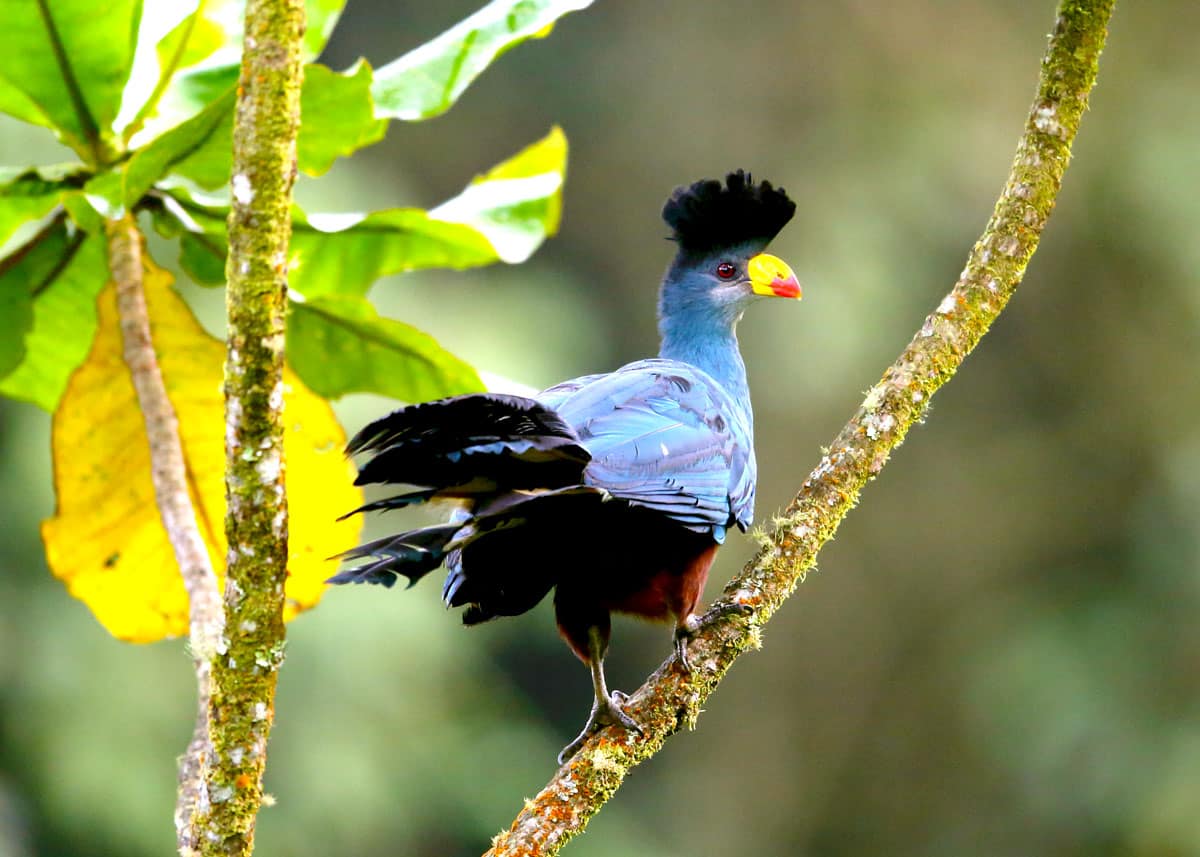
(612, 490)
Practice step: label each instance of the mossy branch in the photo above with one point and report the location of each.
(244, 676)
(671, 699)
(169, 475)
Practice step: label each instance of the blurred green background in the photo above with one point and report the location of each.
(1000, 653)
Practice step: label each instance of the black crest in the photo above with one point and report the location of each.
(710, 216)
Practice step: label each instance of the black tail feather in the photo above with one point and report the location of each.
(479, 469)
(537, 508)
(470, 445)
(413, 554)
(509, 557)
(397, 502)
(447, 424)
(490, 451)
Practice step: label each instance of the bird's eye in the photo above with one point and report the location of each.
(726, 270)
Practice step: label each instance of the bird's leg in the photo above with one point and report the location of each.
(688, 626)
(606, 707)
(691, 624)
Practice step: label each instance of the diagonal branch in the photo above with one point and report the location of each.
(671, 699)
(169, 474)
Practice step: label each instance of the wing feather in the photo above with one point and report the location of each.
(664, 435)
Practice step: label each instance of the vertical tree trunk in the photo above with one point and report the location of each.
(256, 526)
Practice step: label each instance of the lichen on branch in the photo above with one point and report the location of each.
(671, 699)
(244, 676)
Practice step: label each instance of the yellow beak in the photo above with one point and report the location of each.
(771, 276)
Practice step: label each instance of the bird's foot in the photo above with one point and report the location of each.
(606, 713)
(692, 624)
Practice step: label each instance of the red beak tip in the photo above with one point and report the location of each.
(788, 288)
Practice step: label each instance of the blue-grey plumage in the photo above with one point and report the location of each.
(614, 490)
(665, 435)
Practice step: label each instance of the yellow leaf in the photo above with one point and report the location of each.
(106, 541)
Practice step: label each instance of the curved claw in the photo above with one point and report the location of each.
(683, 635)
(724, 608)
(691, 624)
(607, 713)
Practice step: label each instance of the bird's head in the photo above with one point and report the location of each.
(722, 231)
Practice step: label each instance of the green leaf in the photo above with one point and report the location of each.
(209, 162)
(503, 215)
(518, 203)
(64, 323)
(198, 149)
(195, 143)
(171, 36)
(84, 212)
(70, 59)
(337, 121)
(16, 103)
(346, 254)
(24, 199)
(69, 173)
(202, 257)
(203, 55)
(202, 215)
(428, 80)
(195, 39)
(340, 345)
(192, 92)
(21, 273)
(16, 317)
(207, 41)
(338, 116)
(200, 232)
(321, 17)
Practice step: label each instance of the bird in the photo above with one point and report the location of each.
(613, 490)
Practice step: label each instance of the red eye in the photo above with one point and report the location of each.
(726, 270)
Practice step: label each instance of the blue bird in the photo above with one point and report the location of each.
(613, 490)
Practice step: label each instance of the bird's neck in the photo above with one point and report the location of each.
(707, 341)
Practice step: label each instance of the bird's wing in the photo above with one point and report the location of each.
(554, 396)
(666, 436)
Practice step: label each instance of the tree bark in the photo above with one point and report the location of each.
(671, 698)
(256, 526)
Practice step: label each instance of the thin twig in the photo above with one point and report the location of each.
(169, 474)
(671, 699)
(242, 710)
